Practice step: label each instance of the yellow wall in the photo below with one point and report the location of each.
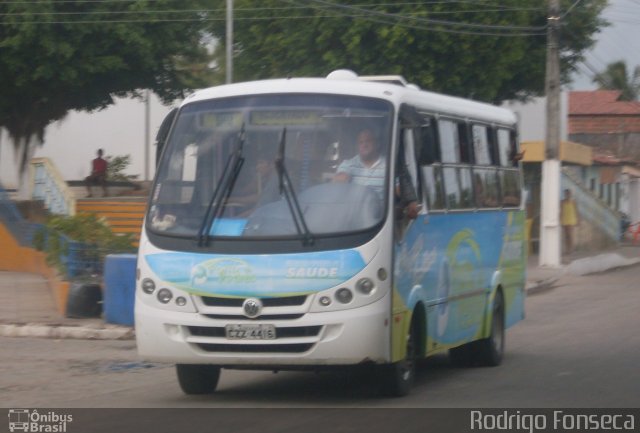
(575, 153)
(14, 257)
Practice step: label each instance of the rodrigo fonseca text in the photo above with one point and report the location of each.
(557, 420)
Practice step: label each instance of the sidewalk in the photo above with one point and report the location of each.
(27, 308)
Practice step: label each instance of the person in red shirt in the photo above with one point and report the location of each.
(98, 174)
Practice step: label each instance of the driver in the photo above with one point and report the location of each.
(368, 168)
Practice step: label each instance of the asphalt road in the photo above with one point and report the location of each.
(578, 347)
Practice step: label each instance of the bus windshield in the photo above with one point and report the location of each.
(267, 165)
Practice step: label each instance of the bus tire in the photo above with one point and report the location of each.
(197, 379)
(489, 351)
(398, 377)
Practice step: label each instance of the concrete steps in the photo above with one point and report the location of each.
(123, 214)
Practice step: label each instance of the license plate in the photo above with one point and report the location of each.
(250, 332)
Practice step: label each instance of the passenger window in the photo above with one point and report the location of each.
(486, 188)
(408, 157)
(510, 185)
(481, 148)
(458, 187)
(506, 148)
(465, 145)
(449, 141)
(429, 149)
(434, 187)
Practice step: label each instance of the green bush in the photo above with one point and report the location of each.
(85, 228)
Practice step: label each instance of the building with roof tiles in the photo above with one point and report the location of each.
(602, 120)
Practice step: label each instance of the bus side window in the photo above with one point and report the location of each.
(433, 186)
(481, 147)
(510, 186)
(429, 148)
(465, 143)
(458, 187)
(449, 141)
(504, 147)
(486, 186)
(407, 156)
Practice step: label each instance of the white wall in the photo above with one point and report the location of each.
(72, 142)
(532, 117)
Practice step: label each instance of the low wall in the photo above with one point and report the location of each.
(17, 258)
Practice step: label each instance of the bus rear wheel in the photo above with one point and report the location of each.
(489, 351)
(197, 379)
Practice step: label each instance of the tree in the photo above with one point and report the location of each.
(489, 51)
(57, 56)
(615, 77)
(116, 166)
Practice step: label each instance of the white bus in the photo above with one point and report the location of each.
(279, 232)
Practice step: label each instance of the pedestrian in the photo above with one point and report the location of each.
(569, 219)
(98, 174)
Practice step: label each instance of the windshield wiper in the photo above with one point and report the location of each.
(223, 189)
(286, 189)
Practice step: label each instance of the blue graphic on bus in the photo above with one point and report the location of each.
(450, 261)
(256, 275)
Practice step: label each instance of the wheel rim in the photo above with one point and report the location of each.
(409, 362)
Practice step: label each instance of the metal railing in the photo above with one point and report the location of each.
(20, 229)
(592, 209)
(49, 186)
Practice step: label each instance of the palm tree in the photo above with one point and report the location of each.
(615, 77)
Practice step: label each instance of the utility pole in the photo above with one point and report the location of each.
(229, 41)
(550, 230)
(147, 132)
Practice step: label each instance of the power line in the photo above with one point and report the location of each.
(526, 31)
(570, 9)
(366, 14)
(245, 9)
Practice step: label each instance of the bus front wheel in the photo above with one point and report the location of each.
(198, 378)
(398, 378)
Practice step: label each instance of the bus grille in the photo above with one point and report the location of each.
(284, 332)
(281, 308)
(213, 301)
(256, 348)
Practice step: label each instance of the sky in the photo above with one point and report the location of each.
(619, 41)
(120, 130)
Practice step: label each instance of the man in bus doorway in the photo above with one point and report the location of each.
(368, 168)
(569, 219)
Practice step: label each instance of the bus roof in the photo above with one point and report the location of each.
(392, 89)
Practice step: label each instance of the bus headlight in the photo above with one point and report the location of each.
(164, 295)
(325, 301)
(148, 286)
(365, 286)
(344, 295)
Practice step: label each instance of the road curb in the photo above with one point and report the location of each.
(600, 263)
(541, 285)
(58, 332)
